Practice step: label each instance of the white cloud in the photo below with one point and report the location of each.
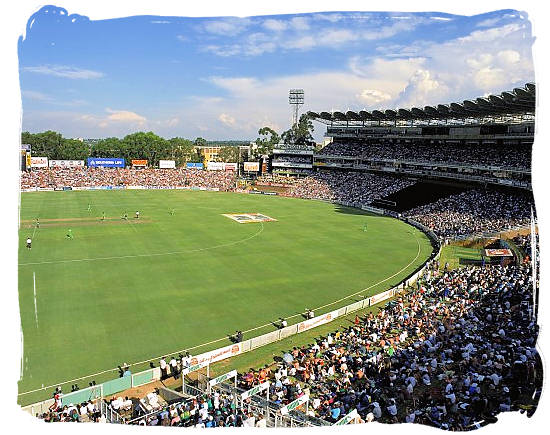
(507, 57)
(274, 25)
(422, 89)
(373, 96)
(296, 33)
(68, 72)
(34, 95)
(227, 26)
(125, 116)
(227, 120)
(300, 23)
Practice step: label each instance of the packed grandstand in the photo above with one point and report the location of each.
(451, 350)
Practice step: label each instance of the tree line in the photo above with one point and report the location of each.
(151, 147)
(138, 146)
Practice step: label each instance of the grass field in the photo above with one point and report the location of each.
(123, 291)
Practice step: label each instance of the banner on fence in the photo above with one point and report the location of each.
(295, 404)
(256, 390)
(498, 252)
(230, 166)
(380, 297)
(140, 163)
(218, 354)
(348, 418)
(194, 367)
(251, 166)
(194, 165)
(39, 162)
(113, 162)
(215, 166)
(316, 321)
(167, 164)
(221, 378)
(66, 163)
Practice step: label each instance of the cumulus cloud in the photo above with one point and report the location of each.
(226, 119)
(230, 26)
(274, 25)
(125, 116)
(68, 72)
(422, 89)
(373, 96)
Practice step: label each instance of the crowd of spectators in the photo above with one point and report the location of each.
(217, 409)
(474, 211)
(453, 354)
(95, 177)
(509, 156)
(351, 187)
(79, 413)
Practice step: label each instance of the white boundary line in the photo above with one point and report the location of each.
(120, 257)
(248, 330)
(34, 288)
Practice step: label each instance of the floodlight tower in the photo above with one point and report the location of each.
(296, 99)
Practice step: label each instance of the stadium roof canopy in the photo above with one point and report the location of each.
(520, 101)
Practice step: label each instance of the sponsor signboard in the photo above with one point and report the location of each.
(347, 418)
(139, 162)
(316, 321)
(66, 163)
(221, 378)
(25, 147)
(256, 390)
(230, 166)
(380, 297)
(39, 162)
(194, 367)
(498, 253)
(194, 165)
(215, 166)
(96, 162)
(167, 164)
(218, 354)
(251, 166)
(295, 404)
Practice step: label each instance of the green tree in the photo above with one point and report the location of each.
(200, 142)
(301, 133)
(228, 154)
(72, 149)
(109, 147)
(268, 138)
(181, 150)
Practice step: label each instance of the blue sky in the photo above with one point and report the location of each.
(224, 78)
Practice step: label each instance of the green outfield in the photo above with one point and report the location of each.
(183, 275)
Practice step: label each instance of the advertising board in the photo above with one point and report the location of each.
(66, 163)
(215, 166)
(112, 162)
(251, 166)
(189, 165)
(167, 164)
(218, 354)
(230, 166)
(39, 162)
(139, 162)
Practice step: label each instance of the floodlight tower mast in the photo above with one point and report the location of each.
(296, 99)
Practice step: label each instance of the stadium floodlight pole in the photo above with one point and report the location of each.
(296, 99)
